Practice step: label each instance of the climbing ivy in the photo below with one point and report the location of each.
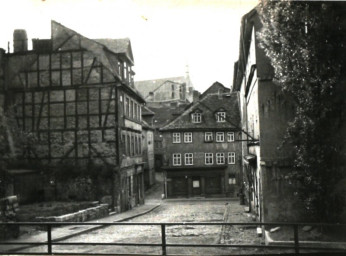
(305, 43)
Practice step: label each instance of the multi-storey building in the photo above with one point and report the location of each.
(203, 154)
(266, 113)
(77, 98)
(166, 90)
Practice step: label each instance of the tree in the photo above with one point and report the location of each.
(305, 43)
(14, 145)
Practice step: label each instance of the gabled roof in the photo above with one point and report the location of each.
(63, 36)
(249, 22)
(119, 46)
(215, 88)
(164, 114)
(209, 105)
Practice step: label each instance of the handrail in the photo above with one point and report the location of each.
(50, 242)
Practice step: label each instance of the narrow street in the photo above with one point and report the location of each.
(183, 210)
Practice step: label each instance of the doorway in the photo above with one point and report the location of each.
(196, 186)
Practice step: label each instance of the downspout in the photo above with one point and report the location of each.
(118, 139)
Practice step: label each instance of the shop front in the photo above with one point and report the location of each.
(195, 182)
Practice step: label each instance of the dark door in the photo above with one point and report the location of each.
(179, 186)
(196, 186)
(213, 185)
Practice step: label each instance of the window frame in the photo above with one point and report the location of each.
(230, 136)
(187, 136)
(176, 159)
(221, 116)
(209, 156)
(231, 158)
(211, 134)
(220, 158)
(188, 158)
(176, 139)
(217, 137)
(196, 118)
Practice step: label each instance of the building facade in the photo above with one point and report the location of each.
(76, 97)
(266, 112)
(148, 154)
(172, 89)
(203, 153)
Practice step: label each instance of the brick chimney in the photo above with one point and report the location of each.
(20, 40)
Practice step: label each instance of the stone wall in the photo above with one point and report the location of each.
(80, 216)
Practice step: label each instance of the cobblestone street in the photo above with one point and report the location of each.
(185, 210)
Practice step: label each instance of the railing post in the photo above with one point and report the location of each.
(49, 238)
(296, 239)
(163, 237)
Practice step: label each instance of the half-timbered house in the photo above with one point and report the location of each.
(76, 97)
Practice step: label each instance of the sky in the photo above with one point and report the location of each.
(168, 37)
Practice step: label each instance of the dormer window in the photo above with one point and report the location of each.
(196, 118)
(221, 116)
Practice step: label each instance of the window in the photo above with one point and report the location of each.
(132, 145)
(220, 137)
(232, 181)
(176, 159)
(125, 70)
(220, 158)
(189, 159)
(135, 111)
(187, 137)
(221, 117)
(208, 157)
(131, 109)
(176, 137)
(127, 106)
(208, 136)
(128, 145)
(231, 157)
(196, 118)
(230, 136)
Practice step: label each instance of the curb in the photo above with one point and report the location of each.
(317, 244)
(220, 199)
(86, 230)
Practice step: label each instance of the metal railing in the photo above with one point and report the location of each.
(295, 245)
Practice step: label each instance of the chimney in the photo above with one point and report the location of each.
(42, 45)
(195, 96)
(20, 40)
(183, 91)
(219, 93)
(2, 64)
(150, 97)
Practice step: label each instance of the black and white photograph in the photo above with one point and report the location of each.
(172, 127)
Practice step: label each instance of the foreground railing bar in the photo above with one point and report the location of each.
(76, 253)
(23, 243)
(176, 245)
(27, 253)
(170, 223)
(194, 245)
(115, 244)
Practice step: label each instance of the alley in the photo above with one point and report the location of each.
(177, 210)
(208, 211)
